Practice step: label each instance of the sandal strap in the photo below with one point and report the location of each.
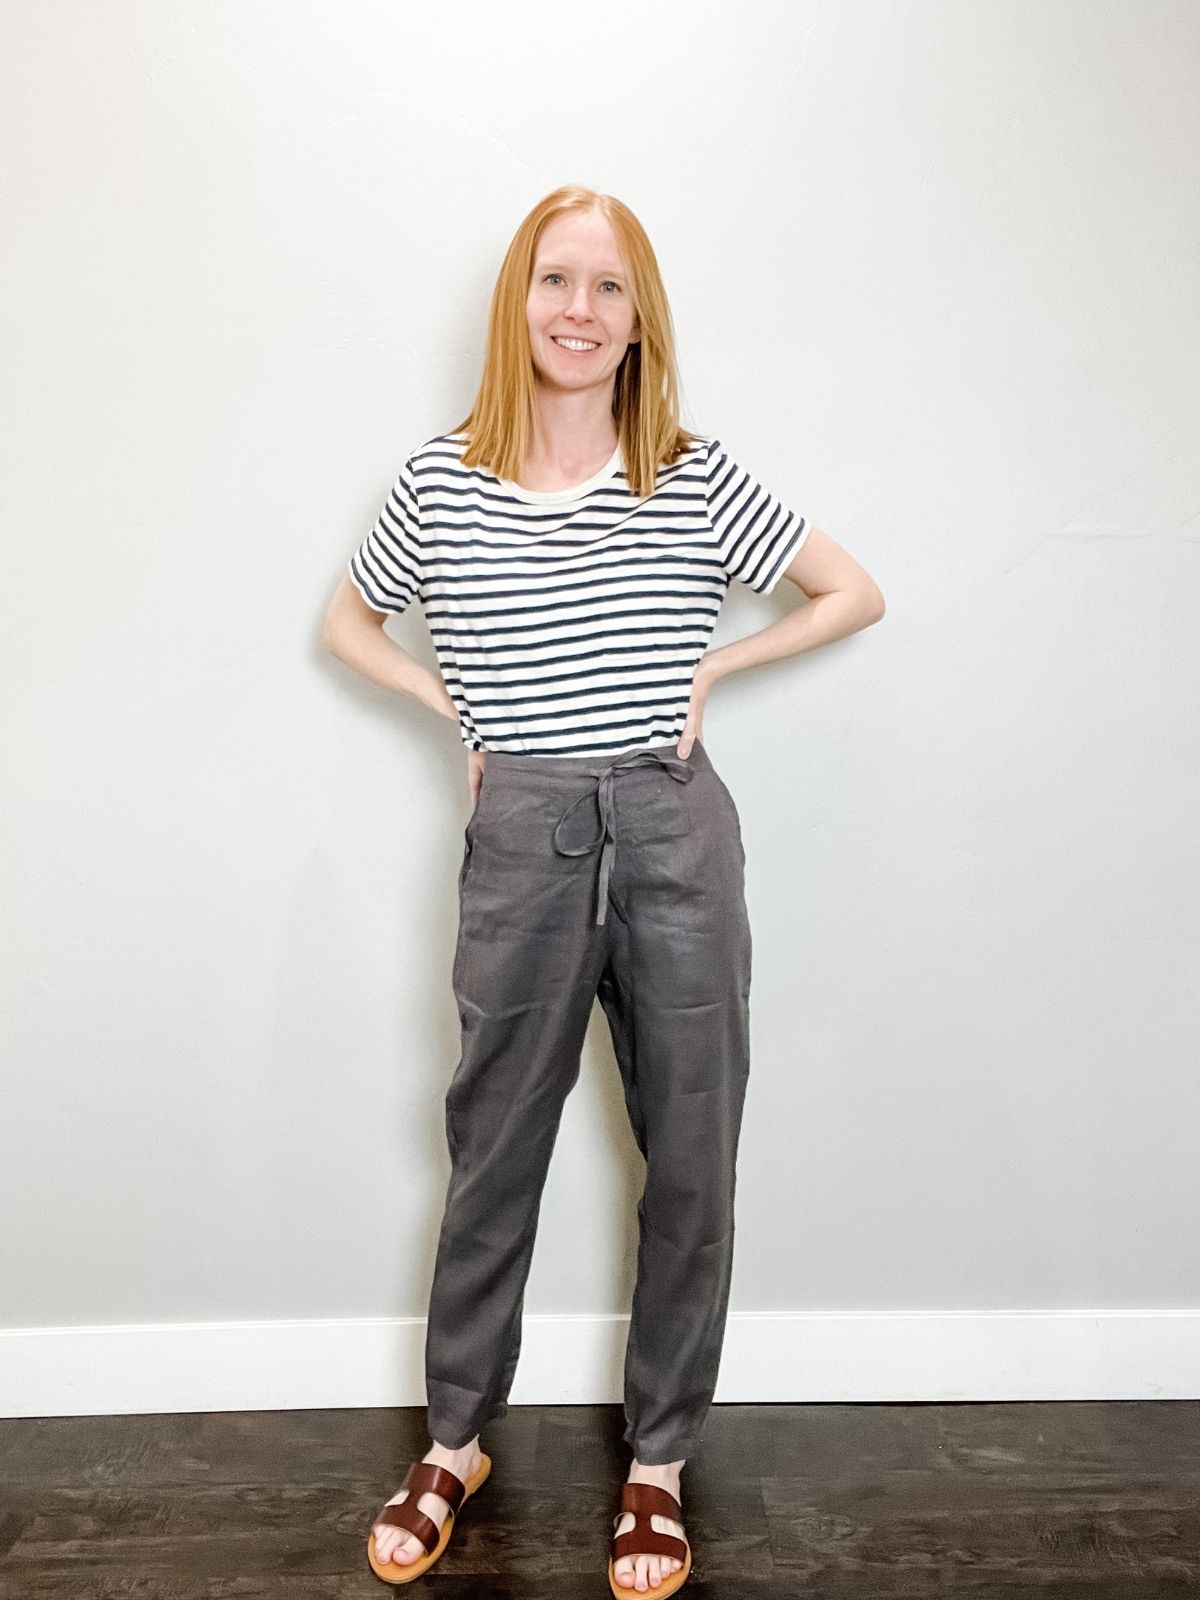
(423, 1477)
(648, 1499)
(645, 1500)
(647, 1541)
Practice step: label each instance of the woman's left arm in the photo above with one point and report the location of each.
(843, 598)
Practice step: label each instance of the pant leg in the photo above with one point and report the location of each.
(525, 975)
(676, 989)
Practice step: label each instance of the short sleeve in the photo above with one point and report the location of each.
(757, 535)
(386, 567)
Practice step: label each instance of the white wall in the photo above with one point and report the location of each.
(934, 274)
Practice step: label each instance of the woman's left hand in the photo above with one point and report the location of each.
(702, 681)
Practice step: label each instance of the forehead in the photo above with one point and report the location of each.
(579, 239)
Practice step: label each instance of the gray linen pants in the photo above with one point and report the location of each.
(622, 877)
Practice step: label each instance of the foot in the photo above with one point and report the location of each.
(403, 1548)
(647, 1572)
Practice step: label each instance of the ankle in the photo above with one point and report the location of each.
(665, 1473)
(444, 1456)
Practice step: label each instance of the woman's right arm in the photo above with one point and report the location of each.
(353, 632)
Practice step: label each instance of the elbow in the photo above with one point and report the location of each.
(875, 606)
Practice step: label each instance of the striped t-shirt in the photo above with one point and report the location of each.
(569, 622)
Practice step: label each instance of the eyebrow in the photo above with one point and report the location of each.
(557, 266)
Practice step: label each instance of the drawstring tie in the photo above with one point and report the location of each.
(679, 769)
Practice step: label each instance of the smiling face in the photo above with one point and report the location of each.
(579, 291)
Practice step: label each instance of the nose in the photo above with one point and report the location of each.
(580, 306)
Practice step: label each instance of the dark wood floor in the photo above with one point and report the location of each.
(1075, 1499)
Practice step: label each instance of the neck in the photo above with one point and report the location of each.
(572, 426)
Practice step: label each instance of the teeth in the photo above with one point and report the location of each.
(576, 344)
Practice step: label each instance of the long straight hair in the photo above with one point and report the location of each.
(499, 428)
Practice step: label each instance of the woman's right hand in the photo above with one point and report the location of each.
(432, 691)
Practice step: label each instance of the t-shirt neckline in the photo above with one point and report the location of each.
(548, 497)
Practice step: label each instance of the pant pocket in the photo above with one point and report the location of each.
(468, 852)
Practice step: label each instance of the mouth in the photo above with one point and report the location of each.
(576, 347)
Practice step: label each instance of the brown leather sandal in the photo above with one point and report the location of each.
(643, 1539)
(424, 1477)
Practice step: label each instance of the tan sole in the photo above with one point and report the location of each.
(396, 1572)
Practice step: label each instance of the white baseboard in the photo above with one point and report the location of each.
(847, 1357)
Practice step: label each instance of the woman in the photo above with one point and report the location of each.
(571, 546)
